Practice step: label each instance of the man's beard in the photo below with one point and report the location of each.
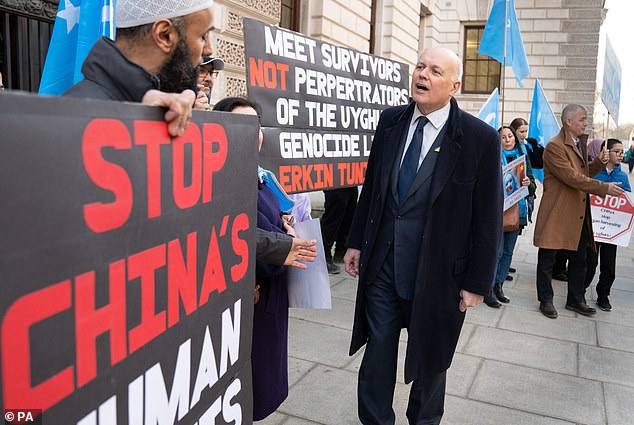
(179, 74)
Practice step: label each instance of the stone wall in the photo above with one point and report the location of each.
(229, 40)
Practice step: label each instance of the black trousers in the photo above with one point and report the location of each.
(607, 270)
(576, 272)
(387, 314)
(339, 208)
(561, 260)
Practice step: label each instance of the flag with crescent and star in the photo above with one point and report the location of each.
(78, 25)
(490, 111)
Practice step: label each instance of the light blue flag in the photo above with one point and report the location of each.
(543, 124)
(490, 111)
(492, 43)
(78, 25)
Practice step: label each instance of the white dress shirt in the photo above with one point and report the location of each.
(436, 119)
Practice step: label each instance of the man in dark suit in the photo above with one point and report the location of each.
(424, 239)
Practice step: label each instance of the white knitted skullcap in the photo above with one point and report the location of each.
(132, 13)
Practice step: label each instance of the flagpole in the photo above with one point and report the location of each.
(502, 91)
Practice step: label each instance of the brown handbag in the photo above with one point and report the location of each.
(511, 219)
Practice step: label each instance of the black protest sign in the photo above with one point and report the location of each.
(127, 292)
(320, 105)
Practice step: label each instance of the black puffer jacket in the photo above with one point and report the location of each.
(535, 152)
(109, 75)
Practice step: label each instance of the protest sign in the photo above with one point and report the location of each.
(127, 292)
(613, 218)
(512, 175)
(320, 105)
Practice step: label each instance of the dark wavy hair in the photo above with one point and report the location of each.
(517, 123)
(228, 104)
(512, 131)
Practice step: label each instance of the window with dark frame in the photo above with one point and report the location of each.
(289, 15)
(481, 73)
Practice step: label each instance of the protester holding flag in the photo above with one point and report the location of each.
(607, 251)
(511, 150)
(563, 219)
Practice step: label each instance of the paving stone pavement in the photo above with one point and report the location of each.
(513, 366)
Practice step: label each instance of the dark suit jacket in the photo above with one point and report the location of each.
(462, 232)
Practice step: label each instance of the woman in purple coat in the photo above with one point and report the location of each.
(269, 352)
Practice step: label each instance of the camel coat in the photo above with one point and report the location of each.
(562, 211)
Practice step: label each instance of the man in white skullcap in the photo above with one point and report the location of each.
(155, 59)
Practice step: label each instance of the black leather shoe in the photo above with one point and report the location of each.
(491, 301)
(604, 303)
(580, 308)
(499, 293)
(548, 310)
(333, 268)
(509, 278)
(512, 270)
(561, 276)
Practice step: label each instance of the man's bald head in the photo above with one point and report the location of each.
(436, 78)
(452, 56)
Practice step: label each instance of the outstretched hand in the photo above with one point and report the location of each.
(615, 189)
(301, 250)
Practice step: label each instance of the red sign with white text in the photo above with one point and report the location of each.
(613, 218)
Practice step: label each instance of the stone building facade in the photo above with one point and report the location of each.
(561, 39)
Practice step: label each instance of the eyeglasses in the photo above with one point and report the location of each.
(205, 72)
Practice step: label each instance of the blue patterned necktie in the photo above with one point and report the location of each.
(409, 167)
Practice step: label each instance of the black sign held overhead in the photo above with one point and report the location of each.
(320, 105)
(127, 276)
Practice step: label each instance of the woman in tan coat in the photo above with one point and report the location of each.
(563, 220)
